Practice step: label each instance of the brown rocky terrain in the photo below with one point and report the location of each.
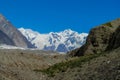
(104, 67)
(100, 39)
(20, 64)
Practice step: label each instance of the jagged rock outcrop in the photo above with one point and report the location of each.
(114, 41)
(13, 34)
(102, 38)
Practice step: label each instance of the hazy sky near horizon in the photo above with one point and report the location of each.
(57, 15)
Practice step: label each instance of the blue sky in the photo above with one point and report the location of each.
(57, 15)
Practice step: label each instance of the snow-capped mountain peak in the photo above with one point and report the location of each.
(55, 41)
(68, 31)
(28, 33)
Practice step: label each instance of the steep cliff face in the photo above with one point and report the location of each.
(4, 39)
(102, 38)
(8, 29)
(114, 41)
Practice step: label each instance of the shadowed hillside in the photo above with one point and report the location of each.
(100, 39)
(13, 34)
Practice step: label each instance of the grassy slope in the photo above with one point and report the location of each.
(91, 67)
(63, 66)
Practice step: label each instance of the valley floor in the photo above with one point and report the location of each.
(21, 65)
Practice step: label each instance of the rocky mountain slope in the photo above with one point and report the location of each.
(93, 67)
(102, 38)
(55, 41)
(5, 39)
(14, 37)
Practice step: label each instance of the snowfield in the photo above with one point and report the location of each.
(55, 41)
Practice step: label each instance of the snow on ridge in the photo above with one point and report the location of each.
(62, 41)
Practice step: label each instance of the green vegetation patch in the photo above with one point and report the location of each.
(108, 24)
(63, 66)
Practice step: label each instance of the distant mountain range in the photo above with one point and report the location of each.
(63, 41)
(55, 41)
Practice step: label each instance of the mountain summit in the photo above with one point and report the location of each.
(11, 36)
(55, 41)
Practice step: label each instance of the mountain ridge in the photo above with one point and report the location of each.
(62, 41)
(14, 35)
(100, 39)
